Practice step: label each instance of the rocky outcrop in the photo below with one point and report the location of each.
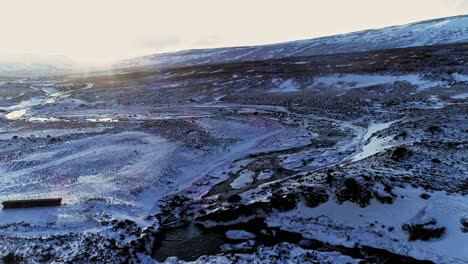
(400, 154)
(464, 224)
(283, 201)
(423, 231)
(354, 192)
(314, 195)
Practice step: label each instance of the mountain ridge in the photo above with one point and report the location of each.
(433, 31)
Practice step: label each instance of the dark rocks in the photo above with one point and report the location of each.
(402, 135)
(354, 192)
(11, 258)
(424, 231)
(314, 196)
(434, 129)
(47, 256)
(400, 153)
(463, 187)
(171, 221)
(124, 224)
(464, 223)
(177, 201)
(425, 196)
(283, 201)
(329, 178)
(234, 198)
(291, 237)
(351, 184)
(385, 198)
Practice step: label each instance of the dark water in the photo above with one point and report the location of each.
(188, 243)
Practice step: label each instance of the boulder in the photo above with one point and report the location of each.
(424, 196)
(283, 201)
(400, 153)
(464, 223)
(434, 129)
(314, 195)
(234, 198)
(423, 231)
(354, 192)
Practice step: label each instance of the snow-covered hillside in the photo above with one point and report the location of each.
(431, 32)
(341, 158)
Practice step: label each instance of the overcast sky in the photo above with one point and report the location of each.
(103, 30)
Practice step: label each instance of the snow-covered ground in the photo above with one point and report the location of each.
(376, 223)
(349, 81)
(285, 86)
(373, 145)
(460, 96)
(339, 158)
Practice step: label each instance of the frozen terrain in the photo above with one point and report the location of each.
(334, 158)
(432, 32)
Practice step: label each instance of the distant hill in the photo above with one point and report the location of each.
(431, 32)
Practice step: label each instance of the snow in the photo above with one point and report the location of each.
(265, 175)
(16, 114)
(375, 145)
(239, 235)
(188, 73)
(95, 167)
(460, 77)
(436, 102)
(245, 178)
(350, 81)
(25, 104)
(102, 168)
(441, 24)
(46, 119)
(20, 109)
(219, 97)
(460, 96)
(442, 31)
(285, 87)
(52, 132)
(283, 253)
(351, 224)
(104, 119)
(376, 127)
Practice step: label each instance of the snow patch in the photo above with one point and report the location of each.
(460, 77)
(460, 96)
(352, 224)
(285, 87)
(105, 119)
(15, 114)
(245, 178)
(239, 235)
(351, 81)
(375, 145)
(265, 175)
